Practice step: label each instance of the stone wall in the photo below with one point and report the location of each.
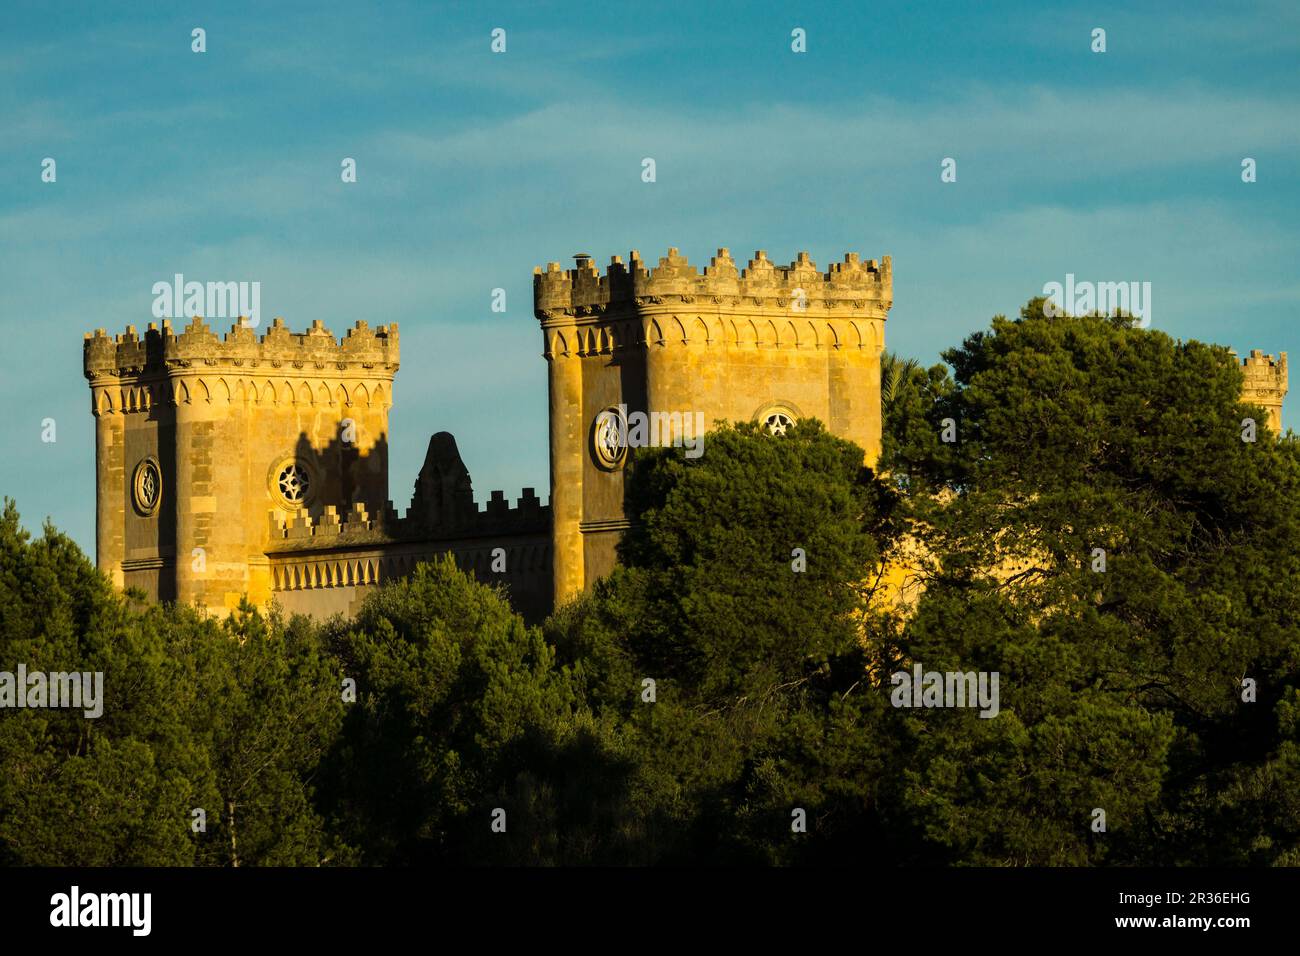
(768, 342)
(212, 423)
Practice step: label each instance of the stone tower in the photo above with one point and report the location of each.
(1265, 384)
(770, 343)
(198, 438)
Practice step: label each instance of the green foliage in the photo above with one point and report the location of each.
(914, 401)
(271, 705)
(450, 683)
(735, 669)
(707, 593)
(112, 791)
(761, 695)
(195, 715)
(1121, 688)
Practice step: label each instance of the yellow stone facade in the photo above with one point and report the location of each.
(247, 466)
(732, 344)
(193, 434)
(1265, 384)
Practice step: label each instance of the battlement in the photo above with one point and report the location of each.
(162, 349)
(358, 526)
(1262, 368)
(1264, 383)
(853, 284)
(1265, 376)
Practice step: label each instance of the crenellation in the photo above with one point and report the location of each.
(196, 342)
(495, 517)
(294, 425)
(300, 526)
(1264, 371)
(722, 266)
(329, 524)
(1264, 383)
(389, 518)
(498, 516)
(673, 266)
(160, 350)
(562, 296)
(357, 519)
(529, 505)
(1263, 364)
(769, 342)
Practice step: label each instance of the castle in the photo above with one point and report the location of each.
(1265, 384)
(255, 467)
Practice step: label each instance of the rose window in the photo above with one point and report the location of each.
(146, 486)
(149, 488)
(609, 438)
(777, 423)
(294, 483)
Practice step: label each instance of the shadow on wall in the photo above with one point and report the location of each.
(350, 537)
(340, 474)
(162, 417)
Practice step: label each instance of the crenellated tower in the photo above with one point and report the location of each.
(767, 343)
(197, 438)
(1265, 384)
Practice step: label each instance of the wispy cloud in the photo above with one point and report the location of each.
(475, 167)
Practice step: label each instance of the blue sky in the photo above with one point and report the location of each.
(474, 167)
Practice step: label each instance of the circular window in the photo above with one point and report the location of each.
(292, 483)
(777, 418)
(146, 486)
(609, 438)
(777, 423)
